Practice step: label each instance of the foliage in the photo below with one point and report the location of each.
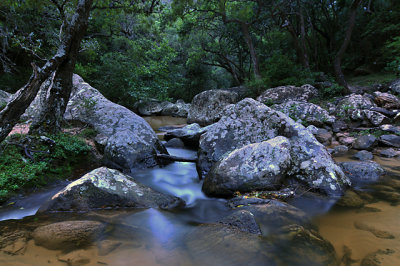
(52, 157)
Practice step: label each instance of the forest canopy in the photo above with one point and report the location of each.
(175, 49)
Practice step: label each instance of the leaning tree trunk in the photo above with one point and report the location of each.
(337, 63)
(252, 50)
(10, 115)
(51, 115)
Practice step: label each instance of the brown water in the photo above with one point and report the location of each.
(155, 237)
(160, 121)
(339, 225)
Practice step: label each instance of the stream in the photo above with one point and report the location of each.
(156, 237)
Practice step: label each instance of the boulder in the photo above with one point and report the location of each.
(250, 122)
(387, 100)
(107, 188)
(390, 129)
(131, 142)
(207, 106)
(308, 113)
(324, 136)
(190, 134)
(390, 140)
(174, 143)
(149, 107)
(178, 109)
(362, 173)
(383, 111)
(283, 94)
(257, 166)
(358, 108)
(366, 142)
(395, 86)
(363, 155)
(68, 234)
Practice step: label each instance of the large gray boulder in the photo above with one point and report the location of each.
(287, 93)
(257, 166)
(308, 113)
(104, 187)
(250, 122)
(131, 142)
(149, 107)
(207, 106)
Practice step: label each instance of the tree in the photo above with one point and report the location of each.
(62, 60)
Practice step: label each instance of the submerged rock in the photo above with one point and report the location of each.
(250, 122)
(68, 234)
(363, 156)
(288, 93)
(131, 142)
(108, 188)
(377, 258)
(243, 220)
(207, 106)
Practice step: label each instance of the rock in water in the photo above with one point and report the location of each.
(190, 134)
(255, 166)
(67, 234)
(131, 142)
(108, 188)
(288, 93)
(250, 122)
(206, 107)
(361, 173)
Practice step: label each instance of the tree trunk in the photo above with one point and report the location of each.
(304, 54)
(337, 63)
(253, 54)
(10, 115)
(52, 112)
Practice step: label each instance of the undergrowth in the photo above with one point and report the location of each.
(32, 161)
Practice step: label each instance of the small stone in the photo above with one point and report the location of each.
(365, 142)
(75, 258)
(340, 150)
(389, 153)
(347, 141)
(107, 246)
(390, 140)
(377, 258)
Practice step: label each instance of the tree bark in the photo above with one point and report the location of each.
(304, 55)
(252, 50)
(51, 115)
(10, 115)
(337, 63)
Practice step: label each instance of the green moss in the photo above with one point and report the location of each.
(368, 80)
(30, 161)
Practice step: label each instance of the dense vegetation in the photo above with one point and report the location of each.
(175, 49)
(29, 161)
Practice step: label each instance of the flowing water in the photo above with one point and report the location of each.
(156, 237)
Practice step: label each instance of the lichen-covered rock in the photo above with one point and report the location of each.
(250, 122)
(390, 129)
(395, 86)
(107, 188)
(68, 234)
(131, 142)
(190, 134)
(323, 136)
(358, 108)
(243, 220)
(390, 140)
(257, 166)
(387, 100)
(288, 93)
(207, 106)
(362, 173)
(308, 113)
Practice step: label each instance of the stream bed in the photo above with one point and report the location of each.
(156, 237)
